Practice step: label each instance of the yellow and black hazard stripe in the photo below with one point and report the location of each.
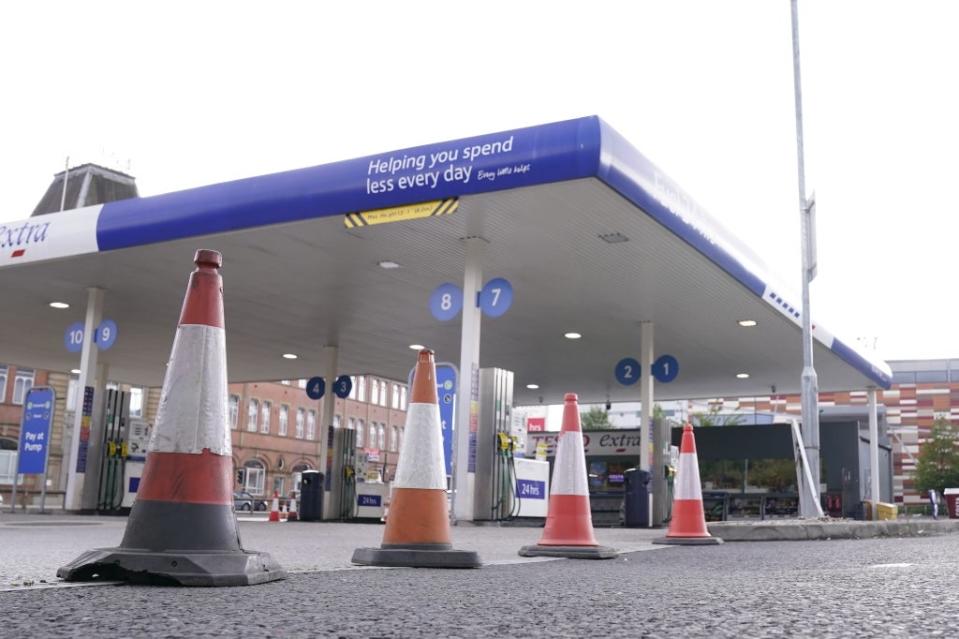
(434, 208)
(353, 220)
(446, 207)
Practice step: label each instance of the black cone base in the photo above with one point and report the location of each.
(416, 558)
(689, 541)
(183, 568)
(569, 552)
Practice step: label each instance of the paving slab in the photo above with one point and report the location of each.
(826, 528)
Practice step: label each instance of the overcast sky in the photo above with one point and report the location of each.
(186, 94)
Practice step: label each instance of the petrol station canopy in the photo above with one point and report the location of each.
(592, 236)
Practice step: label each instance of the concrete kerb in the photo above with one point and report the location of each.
(829, 529)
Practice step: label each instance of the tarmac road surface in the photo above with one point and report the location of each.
(857, 588)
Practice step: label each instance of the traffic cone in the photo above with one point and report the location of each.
(418, 529)
(275, 507)
(688, 523)
(291, 515)
(182, 528)
(569, 523)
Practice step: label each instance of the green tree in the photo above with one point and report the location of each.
(595, 419)
(938, 464)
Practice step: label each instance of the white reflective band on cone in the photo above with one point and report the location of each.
(196, 418)
(569, 472)
(687, 478)
(421, 462)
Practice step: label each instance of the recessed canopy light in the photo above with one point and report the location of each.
(290, 355)
(388, 264)
(416, 347)
(742, 375)
(572, 335)
(532, 386)
(747, 323)
(59, 305)
(75, 371)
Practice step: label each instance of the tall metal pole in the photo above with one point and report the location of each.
(810, 381)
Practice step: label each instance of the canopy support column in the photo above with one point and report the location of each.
(873, 451)
(73, 498)
(325, 448)
(646, 396)
(467, 412)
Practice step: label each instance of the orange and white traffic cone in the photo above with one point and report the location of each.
(291, 515)
(182, 528)
(688, 524)
(569, 523)
(275, 507)
(418, 529)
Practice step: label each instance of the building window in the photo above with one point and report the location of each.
(336, 421)
(3, 384)
(255, 477)
(311, 425)
(285, 382)
(301, 383)
(266, 414)
(284, 419)
(360, 433)
(374, 392)
(353, 387)
(930, 377)
(381, 437)
(251, 415)
(403, 398)
(300, 419)
(361, 392)
(396, 397)
(234, 408)
(371, 436)
(383, 388)
(278, 481)
(22, 382)
(394, 438)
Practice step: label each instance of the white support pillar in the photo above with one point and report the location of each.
(873, 451)
(325, 456)
(88, 365)
(91, 487)
(646, 396)
(467, 412)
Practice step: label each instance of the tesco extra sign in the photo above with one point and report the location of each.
(597, 442)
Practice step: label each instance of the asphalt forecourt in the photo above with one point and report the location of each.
(877, 587)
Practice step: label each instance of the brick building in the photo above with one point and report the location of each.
(278, 430)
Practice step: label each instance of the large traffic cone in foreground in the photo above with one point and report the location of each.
(688, 523)
(569, 523)
(182, 528)
(418, 529)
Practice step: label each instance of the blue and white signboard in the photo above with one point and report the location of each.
(665, 369)
(73, 337)
(446, 395)
(627, 371)
(316, 387)
(342, 386)
(35, 432)
(530, 489)
(106, 334)
(496, 297)
(446, 301)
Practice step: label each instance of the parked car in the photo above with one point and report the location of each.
(242, 500)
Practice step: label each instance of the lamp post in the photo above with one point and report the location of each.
(810, 382)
